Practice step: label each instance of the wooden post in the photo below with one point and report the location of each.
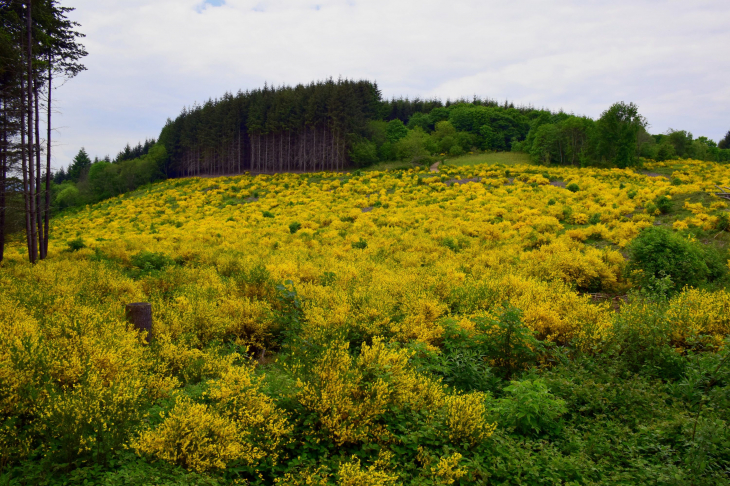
(140, 316)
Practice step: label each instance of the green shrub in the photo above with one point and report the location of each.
(595, 218)
(573, 187)
(506, 342)
(76, 245)
(456, 150)
(294, 227)
(551, 202)
(631, 193)
(723, 222)
(658, 253)
(360, 245)
(450, 243)
(567, 213)
(149, 261)
(267, 214)
(68, 196)
(530, 408)
(663, 204)
(640, 340)
(364, 153)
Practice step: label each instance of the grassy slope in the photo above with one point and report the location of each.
(489, 158)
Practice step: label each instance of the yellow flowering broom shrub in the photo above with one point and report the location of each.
(352, 271)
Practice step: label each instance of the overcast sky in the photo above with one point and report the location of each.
(149, 58)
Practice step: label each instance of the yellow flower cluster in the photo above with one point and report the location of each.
(242, 425)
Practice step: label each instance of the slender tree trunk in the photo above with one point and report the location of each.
(33, 250)
(3, 174)
(24, 163)
(39, 179)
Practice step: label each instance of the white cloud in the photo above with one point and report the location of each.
(149, 58)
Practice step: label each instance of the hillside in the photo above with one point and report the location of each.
(479, 325)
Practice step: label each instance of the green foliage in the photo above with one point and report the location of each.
(387, 152)
(267, 214)
(395, 130)
(451, 243)
(506, 343)
(725, 142)
(530, 408)
(723, 221)
(294, 227)
(76, 245)
(415, 147)
(595, 218)
(681, 140)
(420, 120)
(364, 153)
(567, 213)
(79, 166)
(617, 131)
(148, 261)
(663, 204)
(103, 179)
(573, 187)
(659, 253)
(68, 196)
(456, 150)
(641, 336)
(360, 245)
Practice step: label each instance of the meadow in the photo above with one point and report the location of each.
(483, 324)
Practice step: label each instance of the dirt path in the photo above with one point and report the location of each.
(435, 167)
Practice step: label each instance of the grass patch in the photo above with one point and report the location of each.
(506, 158)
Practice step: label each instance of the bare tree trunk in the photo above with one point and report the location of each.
(24, 162)
(3, 175)
(39, 178)
(33, 250)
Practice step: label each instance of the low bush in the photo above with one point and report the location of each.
(76, 245)
(659, 253)
(148, 261)
(530, 408)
